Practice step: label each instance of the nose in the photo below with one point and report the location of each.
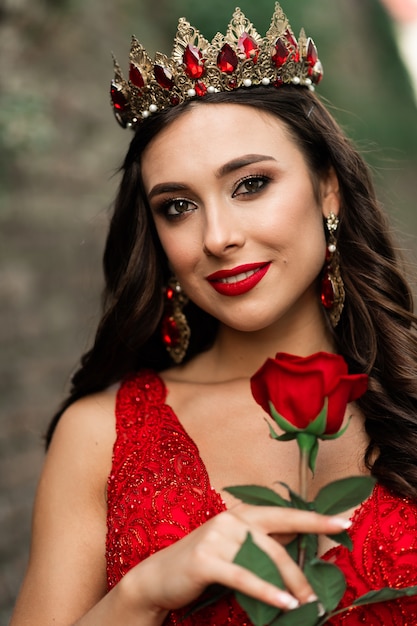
(223, 231)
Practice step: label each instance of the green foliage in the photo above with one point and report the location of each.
(327, 581)
(344, 494)
(305, 615)
(260, 563)
(254, 494)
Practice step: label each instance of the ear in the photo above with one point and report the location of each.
(330, 196)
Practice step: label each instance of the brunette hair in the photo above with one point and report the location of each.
(377, 330)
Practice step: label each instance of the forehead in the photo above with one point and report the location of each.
(206, 136)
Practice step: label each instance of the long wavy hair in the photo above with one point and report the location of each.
(377, 330)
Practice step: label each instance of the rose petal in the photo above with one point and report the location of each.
(297, 387)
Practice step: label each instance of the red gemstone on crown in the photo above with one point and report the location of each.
(312, 56)
(193, 66)
(163, 77)
(170, 332)
(316, 72)
(327, 292)
(119, 101)
(135, 76)
(289, 35)
(248, 46)
(174, 100)
(227, 59)
(281, 53)
(200, 89)
(169, 293)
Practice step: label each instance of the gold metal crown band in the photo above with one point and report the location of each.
(241, 58)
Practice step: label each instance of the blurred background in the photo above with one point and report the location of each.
(60, 150)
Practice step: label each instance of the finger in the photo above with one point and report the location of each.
(288, 521)
(240, 579)
(236, 531)
(294, 579)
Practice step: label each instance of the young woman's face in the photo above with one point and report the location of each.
(236, 212)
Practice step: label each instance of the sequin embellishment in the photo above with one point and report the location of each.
(159, 491)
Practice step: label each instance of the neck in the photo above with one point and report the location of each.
(237, 354)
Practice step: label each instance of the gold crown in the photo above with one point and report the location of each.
(241, 58)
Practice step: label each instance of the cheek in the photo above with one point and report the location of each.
(180, 254)
(295, 230)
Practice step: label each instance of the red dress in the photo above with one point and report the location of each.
(159, 491)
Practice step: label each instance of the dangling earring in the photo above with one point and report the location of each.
(174, 328)
(332, 288)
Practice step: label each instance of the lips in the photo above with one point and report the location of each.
(238, 280)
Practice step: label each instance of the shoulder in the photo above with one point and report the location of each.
(89, 420)
(83, 439)
(69, 518)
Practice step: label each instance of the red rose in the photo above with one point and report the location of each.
(297, 388)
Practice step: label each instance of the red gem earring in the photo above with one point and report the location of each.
(332, 288)
(174, 328)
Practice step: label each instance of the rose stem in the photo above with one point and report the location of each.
(303, 471)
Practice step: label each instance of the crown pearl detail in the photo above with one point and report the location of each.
(241, 58)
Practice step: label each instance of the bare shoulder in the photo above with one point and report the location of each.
(92, 415)
(85, 435)
(67, 570)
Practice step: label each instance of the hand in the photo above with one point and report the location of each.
(177, 575)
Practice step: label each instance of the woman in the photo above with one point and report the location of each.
(239, 190)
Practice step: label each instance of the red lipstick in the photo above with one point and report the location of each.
(238, 280)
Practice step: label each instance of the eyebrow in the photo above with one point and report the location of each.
(161, 188)
(239, 162)
(227, 168)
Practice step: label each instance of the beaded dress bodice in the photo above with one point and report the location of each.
(159, 491)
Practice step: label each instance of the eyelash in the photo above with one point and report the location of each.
(263, 178)
(166, 204)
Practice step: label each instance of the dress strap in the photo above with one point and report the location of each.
(137, 393)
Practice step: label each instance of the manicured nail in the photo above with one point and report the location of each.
(312, 598)
(289, 601)
(342, 523)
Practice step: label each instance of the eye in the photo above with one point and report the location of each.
(177, 207)
(250, 185)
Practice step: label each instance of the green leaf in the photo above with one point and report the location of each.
(310, 544)
(292, 549)
(339, 432)
(254, 494)
(343, 494)
(254, 559)
(284, 424)
(284, 437)
(327, 581)
(372, 597)
(296, 500)
(307, 615)
(313, 456)
(342, 538)
(382, 595)
(318, 426)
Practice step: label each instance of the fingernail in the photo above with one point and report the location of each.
(289, 601)
(312, 598)
(342, 523)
